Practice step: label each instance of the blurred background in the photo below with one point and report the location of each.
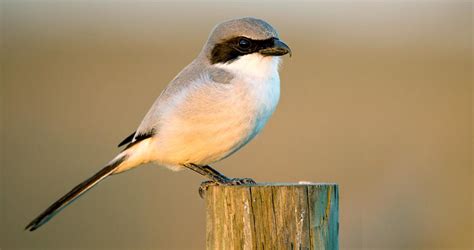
(377, 98)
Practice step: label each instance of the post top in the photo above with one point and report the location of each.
(284, 184)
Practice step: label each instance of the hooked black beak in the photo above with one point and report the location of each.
(279, 48)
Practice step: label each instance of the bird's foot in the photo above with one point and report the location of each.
(228, 182)
(239, 181)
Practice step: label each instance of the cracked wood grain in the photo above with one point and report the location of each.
(273, 216)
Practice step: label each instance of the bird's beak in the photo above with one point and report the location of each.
(279, 48)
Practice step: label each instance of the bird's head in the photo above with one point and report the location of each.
(233, 39)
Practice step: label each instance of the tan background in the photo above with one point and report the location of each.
(377, 98)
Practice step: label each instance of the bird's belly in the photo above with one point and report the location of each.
(204, 138)
(217, 125)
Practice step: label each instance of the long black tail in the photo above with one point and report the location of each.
(75, 193)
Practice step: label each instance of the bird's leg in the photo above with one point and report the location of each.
(216, 178)
(209, 172)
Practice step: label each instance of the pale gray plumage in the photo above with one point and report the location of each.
(212, 108)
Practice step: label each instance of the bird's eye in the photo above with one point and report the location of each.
(244, 43)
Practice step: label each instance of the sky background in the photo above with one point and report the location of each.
(377, 98)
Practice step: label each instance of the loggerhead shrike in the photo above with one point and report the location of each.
(211, 109)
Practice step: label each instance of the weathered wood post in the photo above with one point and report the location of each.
(273, 216)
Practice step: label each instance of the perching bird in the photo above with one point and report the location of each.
(211, 109)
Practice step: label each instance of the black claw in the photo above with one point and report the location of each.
(204, 186)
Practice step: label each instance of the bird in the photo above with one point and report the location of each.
(211, 109)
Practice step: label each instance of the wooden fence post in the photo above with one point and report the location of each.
(273, 216)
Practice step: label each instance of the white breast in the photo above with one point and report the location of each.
(261, 82)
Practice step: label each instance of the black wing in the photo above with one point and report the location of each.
(140, 137)
(127, 140)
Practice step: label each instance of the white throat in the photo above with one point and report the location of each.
(253, 65)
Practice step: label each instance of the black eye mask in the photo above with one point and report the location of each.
(231, 49)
